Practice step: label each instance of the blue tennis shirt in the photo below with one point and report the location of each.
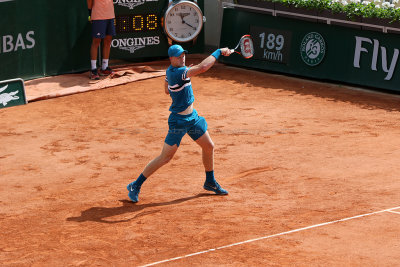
(180, 88)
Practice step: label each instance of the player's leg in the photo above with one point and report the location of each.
(201, 136)
(207, 147)
(172, 141)
(166, 155)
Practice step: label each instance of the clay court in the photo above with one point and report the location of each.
(312, 171)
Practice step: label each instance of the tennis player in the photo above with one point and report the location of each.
(183, 119)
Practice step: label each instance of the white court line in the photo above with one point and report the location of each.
(394, 211)
(270, 236)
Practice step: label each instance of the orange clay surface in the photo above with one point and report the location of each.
(292, 154)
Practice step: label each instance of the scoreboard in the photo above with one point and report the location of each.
(140, 32)
(136, 23)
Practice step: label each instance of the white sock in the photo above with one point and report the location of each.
(105, 64)
(93, 63)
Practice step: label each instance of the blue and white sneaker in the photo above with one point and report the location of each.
(134, 191)
(215, 187)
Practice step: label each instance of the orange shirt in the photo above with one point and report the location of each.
(102, 9)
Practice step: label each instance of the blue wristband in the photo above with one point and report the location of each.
(216, 53)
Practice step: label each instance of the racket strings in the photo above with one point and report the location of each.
(246, 46)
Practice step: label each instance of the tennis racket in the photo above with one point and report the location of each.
(246, 47)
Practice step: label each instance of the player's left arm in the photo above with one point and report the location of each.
(166, 90)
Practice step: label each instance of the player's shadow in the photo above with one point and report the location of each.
(99, 214)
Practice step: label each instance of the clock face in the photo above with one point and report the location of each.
(183, 21)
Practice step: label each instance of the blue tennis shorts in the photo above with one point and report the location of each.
(192, 124)
(101, 28)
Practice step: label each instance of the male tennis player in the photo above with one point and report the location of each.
(183, 119)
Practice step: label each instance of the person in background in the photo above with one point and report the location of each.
(101, 15)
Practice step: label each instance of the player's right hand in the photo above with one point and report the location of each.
(226, 51)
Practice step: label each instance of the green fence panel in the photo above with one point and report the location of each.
(314, 50)
(68, 36)
(43, 37)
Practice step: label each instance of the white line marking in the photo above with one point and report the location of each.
(394, 211)
(270, 236)
(6, 1)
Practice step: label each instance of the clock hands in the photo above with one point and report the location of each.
(182, 15)
(184, 22)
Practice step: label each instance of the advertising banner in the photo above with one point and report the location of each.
(315, 50)
(12, 93)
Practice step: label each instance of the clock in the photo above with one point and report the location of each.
(183, 21)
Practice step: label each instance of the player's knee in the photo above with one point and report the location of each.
(166, 158)
(212, 146)
(209, 146)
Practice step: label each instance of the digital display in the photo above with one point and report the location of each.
(271, 44)
(136, 23)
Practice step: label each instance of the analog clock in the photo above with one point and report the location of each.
(183, 21)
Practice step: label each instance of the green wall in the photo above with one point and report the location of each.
(43, 37)
(349, 55)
